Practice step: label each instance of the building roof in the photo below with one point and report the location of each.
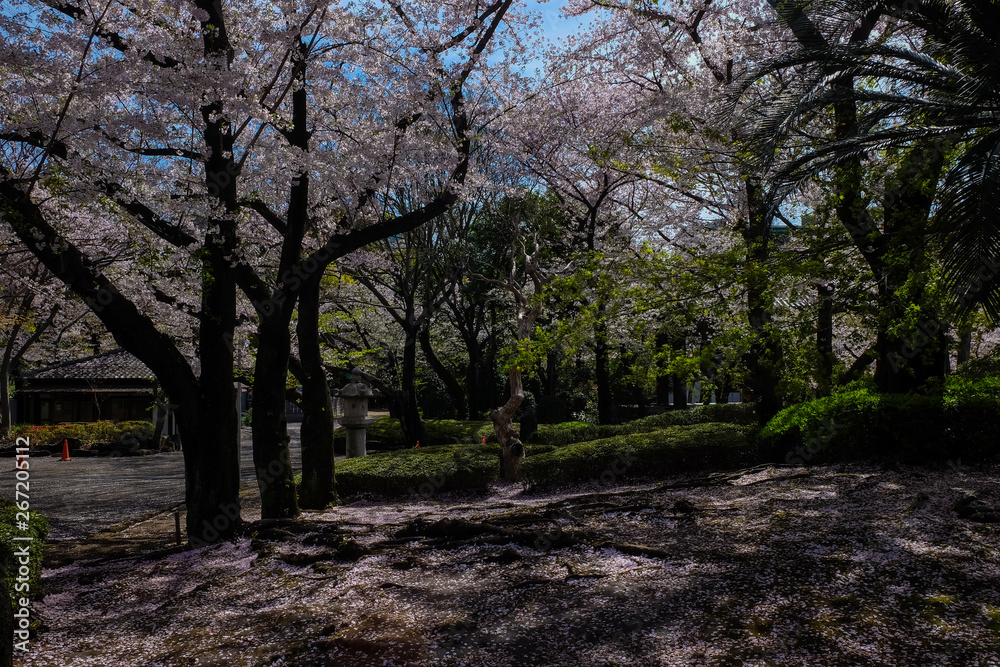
(114, 365)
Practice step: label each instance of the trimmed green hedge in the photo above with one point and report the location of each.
(420, 472)
(38, 527)
(108, 432)
(961, 422)
(425, 472)
(565, 433)
(387, 431)
(569, 432)
(644, 455)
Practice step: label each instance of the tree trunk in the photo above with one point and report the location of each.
(207, 408)
(824, 339)
(907, 361)
(765, 354)
(5, 411)
(964, 345)
(271, 455)
(207, 425)
(318, 483)
(679, 384)
(212, 438)
(409, 417)
(663, 380)
(511, 448)
(602, 364)
(451, 384)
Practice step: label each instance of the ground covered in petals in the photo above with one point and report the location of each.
(835, 565)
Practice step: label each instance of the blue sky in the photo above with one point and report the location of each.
(555, 25)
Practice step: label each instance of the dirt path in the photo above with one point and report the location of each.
(832, 566)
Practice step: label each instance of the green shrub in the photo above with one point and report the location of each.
(576, 431)
(101, 432)
(913, 428)
(38, 528)
(565, 433)
(983, 367)
(388, 432)
(727, 413)
(421, 472)
(647, 455)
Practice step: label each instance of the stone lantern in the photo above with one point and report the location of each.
(355, 418)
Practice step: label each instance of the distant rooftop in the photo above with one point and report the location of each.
(114, 365)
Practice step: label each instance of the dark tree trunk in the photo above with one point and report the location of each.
(964, 346)
(680, 394)
(206, 421)
(409, 417)
(5, 411)
(318, 484)
(474, 376)
(271, 455)
(602, 370)
(908, 361)
(679, 384)
(211, 461)
(453, 387)
(824, 339)
(663, 380)
(765, 355)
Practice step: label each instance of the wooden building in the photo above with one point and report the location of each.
(114, 386)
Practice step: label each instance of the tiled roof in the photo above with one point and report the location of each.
(114, 365)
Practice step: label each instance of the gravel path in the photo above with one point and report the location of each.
(85, 496)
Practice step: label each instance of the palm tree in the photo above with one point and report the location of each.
(920, 79)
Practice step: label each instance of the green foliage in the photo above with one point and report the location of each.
(860, 423)
(388, 432)
(247, 419)
(980, 368)
(643, 455)
(425, 472)
(420, 473)
(565, 433)
(38, 528)
(559, 435)
(102, 432)
(727, 413)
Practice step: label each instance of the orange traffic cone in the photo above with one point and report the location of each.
(65, 456)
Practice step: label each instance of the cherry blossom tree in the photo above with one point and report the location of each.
(245, 127)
